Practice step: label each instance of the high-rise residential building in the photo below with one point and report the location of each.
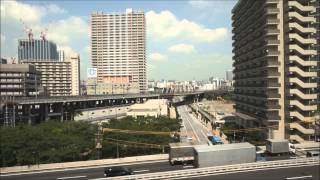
(118, 48)
(37, 49)
(229, 75)
(275, 62)
(75, 74)
(55, 76)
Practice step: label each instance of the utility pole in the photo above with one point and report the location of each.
(99, 136)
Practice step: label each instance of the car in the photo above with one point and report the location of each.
(189, 138)
(117, 171)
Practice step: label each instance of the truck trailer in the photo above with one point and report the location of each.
(182, 153)
(224, 154)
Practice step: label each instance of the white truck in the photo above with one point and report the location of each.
(182, 153)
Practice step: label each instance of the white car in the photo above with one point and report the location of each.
(189, 138)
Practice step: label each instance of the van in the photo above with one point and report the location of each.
(313, 153)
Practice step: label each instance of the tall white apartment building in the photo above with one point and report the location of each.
(75, 74)
(275, 65)
(118, 48)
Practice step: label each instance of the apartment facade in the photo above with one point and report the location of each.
(56, 76)
(75, 74)
(275, 67)
(118, 48)
(37, 49)
(19, 80)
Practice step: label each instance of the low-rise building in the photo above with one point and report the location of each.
(95, 88)
(152, 107)
(19, 80)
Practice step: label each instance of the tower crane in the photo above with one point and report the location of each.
(44, 34)
(27, 30)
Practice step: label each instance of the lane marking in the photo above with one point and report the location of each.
(81, 168)
(73, 177)
(194, 132)
(299, 177)
(143, 170)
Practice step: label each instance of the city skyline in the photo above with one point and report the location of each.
(196, 47)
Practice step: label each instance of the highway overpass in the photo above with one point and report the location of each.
(33, 110)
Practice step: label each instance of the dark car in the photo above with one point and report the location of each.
(117, 171)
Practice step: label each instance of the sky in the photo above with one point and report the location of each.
(186, 40)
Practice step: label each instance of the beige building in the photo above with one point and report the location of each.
(55, 76)
(275, 62)
(152, 107)
(95, 88)
(118, 48)
(75, 74)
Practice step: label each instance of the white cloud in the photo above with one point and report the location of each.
(200, 3)
(64, 31)
(54, 9)
(30, 14)
(68, 51)
(158, 57)
(15, 11)
(182, 48)
(165, 25)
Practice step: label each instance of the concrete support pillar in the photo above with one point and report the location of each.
(61, 112)
(46, 112)
(28, 108)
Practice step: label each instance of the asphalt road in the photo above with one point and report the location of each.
(291, 173)
(94, 172)
(192, 127)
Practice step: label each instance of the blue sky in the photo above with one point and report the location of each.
(185, 39)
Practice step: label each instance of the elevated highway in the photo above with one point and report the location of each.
(302, 168)
(33, 110)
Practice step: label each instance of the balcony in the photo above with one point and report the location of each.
(301, 117)
(301, 7)
(302, 95)
(303, 107)
(302, 62)
(302, 84)
(301, 72)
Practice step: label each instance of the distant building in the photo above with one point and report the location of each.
(229, 75)
(95, 88)
(153, 107)
(3, 61)
(118, 48)
(75, 75)
(55, 76)
(19, 80)
(37, 49)
(62, 56)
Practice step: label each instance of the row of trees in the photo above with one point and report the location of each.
(138, 144)
(54, 142)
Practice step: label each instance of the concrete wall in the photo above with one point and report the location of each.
(91, 114)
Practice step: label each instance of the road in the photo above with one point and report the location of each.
(192, 127)
(94, 172)
(291, 173)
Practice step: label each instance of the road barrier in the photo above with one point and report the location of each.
(83, 164)
(208, 171)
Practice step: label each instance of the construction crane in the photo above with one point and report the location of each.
(13, 60)
(27, 30)
(44, 34)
